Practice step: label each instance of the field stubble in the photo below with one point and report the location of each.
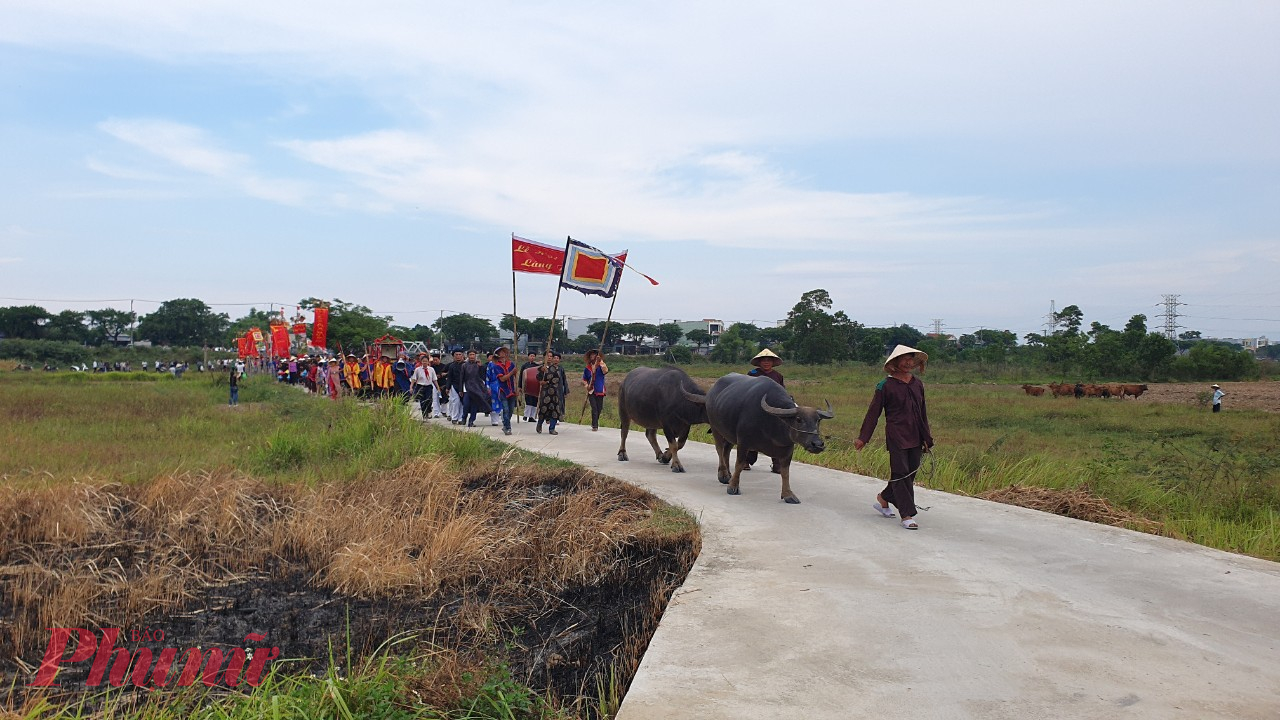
(492, 558)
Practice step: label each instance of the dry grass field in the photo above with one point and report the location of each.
(502, 578)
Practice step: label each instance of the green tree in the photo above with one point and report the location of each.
(351, 326)
(615, 332)
(537, 330)
(818, 336)
(67, 326)
(670, 333)
(1069, 319)
(254, 318)
(107, 324)
(183, 321)
(465, 329)
(732, 348)
(582, 343)
(23, 321)
(699, 337)
(639, 331)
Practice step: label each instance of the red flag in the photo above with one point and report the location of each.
(250, 347)
(531, 257)
(242, 347)
(320, 327)
(299, 329)
(280, 340)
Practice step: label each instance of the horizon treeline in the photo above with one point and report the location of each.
(812, 334)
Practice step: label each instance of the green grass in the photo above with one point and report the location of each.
(64, 426)
(1210, 479)
(60, 427)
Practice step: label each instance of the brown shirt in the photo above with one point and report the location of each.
(906, 420)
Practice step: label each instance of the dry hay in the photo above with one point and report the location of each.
(1078, 503)
(569, 557)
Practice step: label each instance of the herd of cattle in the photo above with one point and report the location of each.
(1087, 390)
(756, 415)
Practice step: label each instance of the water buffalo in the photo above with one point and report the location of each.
(758, 414)
(657, 398)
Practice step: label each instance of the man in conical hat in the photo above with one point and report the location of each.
(765, 361)
(906, 430)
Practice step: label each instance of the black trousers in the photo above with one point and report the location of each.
(597, 405)
(426, 396)
(901, 490)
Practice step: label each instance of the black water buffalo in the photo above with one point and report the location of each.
(758, 414)
(657, 399)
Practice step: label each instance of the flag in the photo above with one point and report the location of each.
(250, 347)
(590, 271)
(242, 347)
(280, 340)
(320, 327)
(531, 257)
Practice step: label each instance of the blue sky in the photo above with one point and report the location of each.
(968, 162)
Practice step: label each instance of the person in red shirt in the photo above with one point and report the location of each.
(906, 430)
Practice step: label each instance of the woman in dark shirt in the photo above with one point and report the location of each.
(906, 430)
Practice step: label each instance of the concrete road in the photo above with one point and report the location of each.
(828, 610)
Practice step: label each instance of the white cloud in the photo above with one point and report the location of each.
(183, 145)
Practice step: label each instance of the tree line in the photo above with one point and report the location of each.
(812, 334)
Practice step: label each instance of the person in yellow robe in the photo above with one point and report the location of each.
(351, 371)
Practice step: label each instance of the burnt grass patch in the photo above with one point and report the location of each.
(560, 575)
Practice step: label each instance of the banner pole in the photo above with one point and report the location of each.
(515, 326)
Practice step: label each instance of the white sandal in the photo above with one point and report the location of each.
(887, 512)
(910, 524)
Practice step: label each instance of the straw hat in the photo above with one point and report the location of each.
(766, 353)
(1216, 387)
(901, 350)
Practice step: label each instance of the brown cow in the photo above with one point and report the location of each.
(1033, 390)
(1062, 389)
(1092, 390)
(1117, 391)
(1134, 390)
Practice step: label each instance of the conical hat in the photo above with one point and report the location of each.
(901, 350)
(766, 353)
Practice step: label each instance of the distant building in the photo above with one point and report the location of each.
(1255, 344)
(713, 328)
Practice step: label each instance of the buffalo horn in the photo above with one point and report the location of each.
(780, 412)
(696, 399)
(828, 413)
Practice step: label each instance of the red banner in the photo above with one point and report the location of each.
(280, 340)
(256, 335)
(531, 257)
(299, 329)
(250, 347)
(242, 347)
(320, 327)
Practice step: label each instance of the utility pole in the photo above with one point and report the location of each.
(1170, 315)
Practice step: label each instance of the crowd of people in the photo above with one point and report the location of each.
(460, 387)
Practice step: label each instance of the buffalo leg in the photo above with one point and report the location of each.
(722, 454)
(784, 469)
(673, 447)
(625, 420)
(651, 434)
(738, 467)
